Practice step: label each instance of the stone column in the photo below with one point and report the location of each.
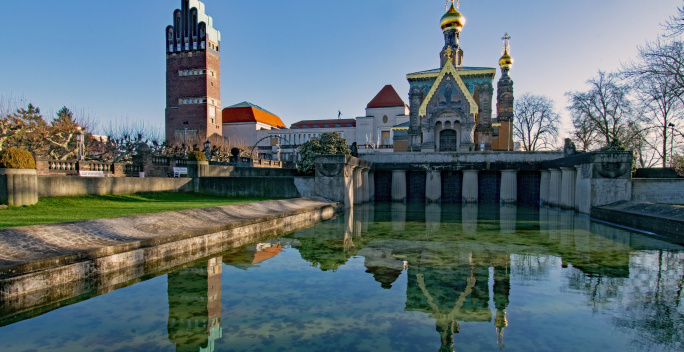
(509, 187)
(399, 185)
(544, 187)
(568, 181)
(554, 187)
(358, 186)
(365, 186)
(578, 177)
(433, 186)
(470, 186)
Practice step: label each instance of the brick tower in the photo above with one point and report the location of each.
(193, 76)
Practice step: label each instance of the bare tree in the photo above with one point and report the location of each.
(605, 107)
(675, 24)
(663, 107)
(536, 122)
(584, 132)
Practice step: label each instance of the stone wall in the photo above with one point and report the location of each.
(233, 171)
(658, 190)
(57, 186)
(275, 187)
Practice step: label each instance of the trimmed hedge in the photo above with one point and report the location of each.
(197, 156)
(15, 158)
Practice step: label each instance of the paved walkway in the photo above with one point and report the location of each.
(31, 243)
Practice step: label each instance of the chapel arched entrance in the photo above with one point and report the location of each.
(448, 141)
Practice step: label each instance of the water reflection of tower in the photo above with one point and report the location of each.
(195, 306)
(502, 289)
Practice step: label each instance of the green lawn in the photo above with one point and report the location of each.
(63, 209)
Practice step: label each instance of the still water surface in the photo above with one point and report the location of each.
(397, 278)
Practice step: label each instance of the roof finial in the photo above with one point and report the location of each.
(506, 46)
(450, 3)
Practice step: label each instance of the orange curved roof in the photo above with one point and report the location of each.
(248, 112)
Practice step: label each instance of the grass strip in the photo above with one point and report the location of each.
(76, 208)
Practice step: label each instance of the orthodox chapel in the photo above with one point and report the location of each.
(451, 107)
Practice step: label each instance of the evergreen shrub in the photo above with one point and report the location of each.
(15, 158)
(197, 156)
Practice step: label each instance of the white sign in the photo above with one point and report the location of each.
(91, 173)
(178, 171)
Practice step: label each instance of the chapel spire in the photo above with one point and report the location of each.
(452, 23)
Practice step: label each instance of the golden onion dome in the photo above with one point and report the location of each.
(453, 19)
(506, 61)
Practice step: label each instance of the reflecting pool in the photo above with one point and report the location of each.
(394, 277)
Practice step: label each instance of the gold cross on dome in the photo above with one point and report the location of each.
(506, 46)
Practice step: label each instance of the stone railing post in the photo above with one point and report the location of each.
(433, 186)
(18, 187)
(399, 186)
(509, 187)
(470, 188)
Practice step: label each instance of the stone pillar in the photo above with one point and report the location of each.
(554, 187)
(18, 187)
(371, 186)
(578, 176)
(197, 169)
(399, 185)
(544, 187)
(568, 181)
(358, 186)
(365, 185)
(433, 186)
(470, 186)
(509, 187)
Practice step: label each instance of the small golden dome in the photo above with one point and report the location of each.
(453, 19)
(506, 61)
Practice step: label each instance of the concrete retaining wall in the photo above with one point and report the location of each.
(56, 186)
(43, 282)
(232, 171)
(276, 187)
(658, 190)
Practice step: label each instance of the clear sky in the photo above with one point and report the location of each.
(306, 59)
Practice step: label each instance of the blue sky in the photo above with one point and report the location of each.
(305, 59)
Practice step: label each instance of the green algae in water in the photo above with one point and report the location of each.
(396, 277)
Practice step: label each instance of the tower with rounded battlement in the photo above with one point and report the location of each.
(193, 76)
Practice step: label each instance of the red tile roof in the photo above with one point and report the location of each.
(322, 123)
(387, 97)
(247, 112)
